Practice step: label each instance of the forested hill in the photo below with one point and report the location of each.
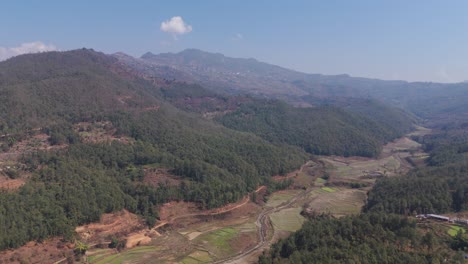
(340, 126)
(73, 86)
(55, 92)
(324, 130)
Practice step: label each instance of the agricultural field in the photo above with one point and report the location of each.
(281, 197)
(338, 202)
(197, 257)
(392, 162)
(195, 239)
(289, 220)
(218, 242)
(134, 255)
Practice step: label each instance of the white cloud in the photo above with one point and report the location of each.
(176, 26)
(30, 47)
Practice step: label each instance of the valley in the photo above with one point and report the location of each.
(193, 132)
(103, 162)
(240, 232)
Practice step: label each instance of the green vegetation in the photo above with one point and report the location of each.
(453, 231)
(320, 130)
(438, 188)
(197, 257)
(328, 189)
(367, 238)
(218, 241)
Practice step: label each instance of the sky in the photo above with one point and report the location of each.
(419, 40)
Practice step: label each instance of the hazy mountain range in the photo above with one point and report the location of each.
(249, 76)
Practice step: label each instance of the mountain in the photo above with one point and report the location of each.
(347, 127)
(249, 76)
(216, 71)
(69, 97)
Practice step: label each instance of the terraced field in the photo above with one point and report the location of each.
(289, 220)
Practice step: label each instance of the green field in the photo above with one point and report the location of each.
(277, 199)
(288, 219)
(328, 189)
(217, 242)
(453, 231)
(105, 256)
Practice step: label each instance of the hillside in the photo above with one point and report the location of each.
(348, 127)
(249, 76)
(41, 89)
(59, 94)
(319, 130)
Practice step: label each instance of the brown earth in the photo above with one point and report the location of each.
(49, 251)
(171, 211)
(138, 239)
(11, 184)
(117, 224)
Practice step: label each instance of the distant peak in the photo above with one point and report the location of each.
(121, 55)
(148, 55)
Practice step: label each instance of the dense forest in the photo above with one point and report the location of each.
(394, 120)
(440, 187)
(366, 238)
(325, 130)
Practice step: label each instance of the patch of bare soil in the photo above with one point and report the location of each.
(11, 184)
(49, 251)
(176, 210)
(156, 176)
(138, 239)
(111, 225)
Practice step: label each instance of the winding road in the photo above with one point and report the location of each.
(263, 224)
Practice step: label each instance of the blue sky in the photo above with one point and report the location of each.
(420, 40)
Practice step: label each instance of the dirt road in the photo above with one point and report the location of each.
(264, 226)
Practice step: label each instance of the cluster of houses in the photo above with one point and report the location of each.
(443, 218)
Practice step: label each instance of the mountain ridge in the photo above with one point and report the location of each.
(249, 76)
